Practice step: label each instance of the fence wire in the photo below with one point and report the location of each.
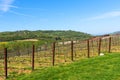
(43, 56)
(93, 47)
(80, 49)
(19, 60)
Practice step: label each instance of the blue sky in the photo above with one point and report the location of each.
(90, 16)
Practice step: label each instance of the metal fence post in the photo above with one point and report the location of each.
(72, 50)
(109, 45)
(33, 56)
(88, 48)
(99, 46)
(5, 62)
(53, 62)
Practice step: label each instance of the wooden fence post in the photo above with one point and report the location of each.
(88, 48)
(109, 45)
(5, 62)
(99, 46)
(53, 62)
(33, 56)
(72, 50)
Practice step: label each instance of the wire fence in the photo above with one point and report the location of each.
(18, 60)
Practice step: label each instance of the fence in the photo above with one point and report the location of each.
(16, 60)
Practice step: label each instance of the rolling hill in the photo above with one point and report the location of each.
(48, 35)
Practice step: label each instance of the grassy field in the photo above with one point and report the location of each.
(105, 67)
(20, 61)
(43, 58)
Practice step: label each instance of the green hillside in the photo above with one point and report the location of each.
(43, 35)
(105, 67)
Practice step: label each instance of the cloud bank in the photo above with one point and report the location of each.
(5, 5)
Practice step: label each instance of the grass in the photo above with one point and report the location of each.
(99, 68)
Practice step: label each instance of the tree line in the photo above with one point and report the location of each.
(46, 35)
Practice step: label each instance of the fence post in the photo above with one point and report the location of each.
(88, 48)
(53, 62)
(99, 46)
(109, 45)
(5, 62)
(72, 50)
(33, 56)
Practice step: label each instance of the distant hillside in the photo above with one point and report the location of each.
(48, 35)
(116, 33)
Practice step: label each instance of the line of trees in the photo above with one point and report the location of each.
(43, 35)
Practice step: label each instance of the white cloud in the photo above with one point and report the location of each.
(106, 15)
(5, 5)
(21, 14)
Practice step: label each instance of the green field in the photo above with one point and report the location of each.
(20, 57)
(105, 67)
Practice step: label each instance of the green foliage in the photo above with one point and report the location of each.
(43, 35)
(98, 68)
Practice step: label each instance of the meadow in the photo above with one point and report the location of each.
(20, 58)
(98, 68)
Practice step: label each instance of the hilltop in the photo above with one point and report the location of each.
(48, 35)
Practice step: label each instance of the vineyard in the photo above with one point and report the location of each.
(20, 60)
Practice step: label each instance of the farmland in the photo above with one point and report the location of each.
(59, 40)
(24, 57)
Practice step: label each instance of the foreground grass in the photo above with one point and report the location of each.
(99, 68)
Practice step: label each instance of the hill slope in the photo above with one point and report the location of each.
(43, 35)
(100, 68)
(117, 32)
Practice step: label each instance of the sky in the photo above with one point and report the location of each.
(89, 16)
